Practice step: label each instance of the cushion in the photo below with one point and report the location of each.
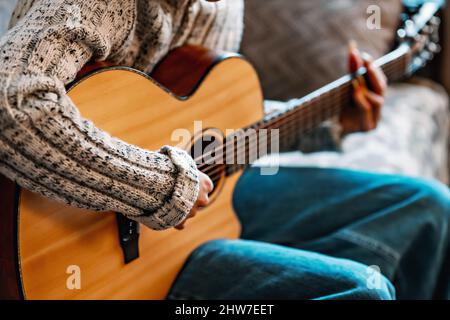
(299, 46)
(6, 8)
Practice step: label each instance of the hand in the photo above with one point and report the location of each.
(367, 114)
(206, 186)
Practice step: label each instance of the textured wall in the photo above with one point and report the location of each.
(299, 46)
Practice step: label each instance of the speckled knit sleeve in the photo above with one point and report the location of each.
(47, 147)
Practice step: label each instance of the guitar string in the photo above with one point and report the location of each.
(216, 172)
(267, 140)
(282, 117)
(285, 121)
(292, 123)
(291, 126)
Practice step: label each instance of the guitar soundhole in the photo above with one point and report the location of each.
(204, 150)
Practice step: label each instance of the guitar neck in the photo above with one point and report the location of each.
(310, 111)
(327, 102)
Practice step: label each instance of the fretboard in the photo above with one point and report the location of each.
(327, 102)
(310, 111)
(303, 115)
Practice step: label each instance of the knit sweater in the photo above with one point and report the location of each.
(48, 147)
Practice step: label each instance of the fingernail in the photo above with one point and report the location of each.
(362, 81)
(356, 84)
(352, 45)
(359, 84)
(367, 57)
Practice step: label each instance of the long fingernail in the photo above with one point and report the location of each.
(352, 45)
(359, 84)
(367, 57)
(356, 84)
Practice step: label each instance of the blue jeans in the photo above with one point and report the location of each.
(311, 233)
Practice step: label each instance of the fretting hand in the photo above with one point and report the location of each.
(369, 103)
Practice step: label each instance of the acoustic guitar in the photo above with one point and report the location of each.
(49, 250)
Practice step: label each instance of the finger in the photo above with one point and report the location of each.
(203, 200)
(180, 226)
(191, 214)
(366, 118)
(355, 61)
(209, 185)
(378, 80)
(377, 103)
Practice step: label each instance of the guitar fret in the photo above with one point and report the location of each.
(306, 113)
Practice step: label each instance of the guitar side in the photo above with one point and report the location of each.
(55, 240)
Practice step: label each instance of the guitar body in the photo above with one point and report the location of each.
(45, 247)
(48, 237)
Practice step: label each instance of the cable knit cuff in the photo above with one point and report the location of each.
(184, 195)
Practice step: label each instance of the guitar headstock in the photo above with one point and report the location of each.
(420, 31)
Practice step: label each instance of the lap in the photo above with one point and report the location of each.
(243, 269)
(345, 213)
(317, 201)
(311, 233)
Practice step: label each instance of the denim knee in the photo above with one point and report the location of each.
(368, 284)
(243, 269)
(434, 198)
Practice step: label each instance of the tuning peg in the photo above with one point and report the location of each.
(434, 47)
(435, 37)
(409, 27)
(427, 56)
(401, 34)
(435, 21)
(428, 30)
(420, 38)
(418, 63)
